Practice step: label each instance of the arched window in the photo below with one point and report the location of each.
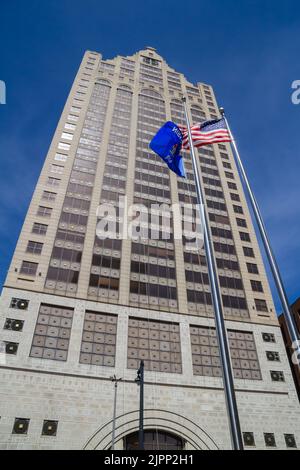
(151, 93)
(102, 81)
(154, 440)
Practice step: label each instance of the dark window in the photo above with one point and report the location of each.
(252, 268)
(235, 197)
(241, 222)
(155, 440)
(261, 305)
(34, 247)
(248, 252)
(234, 302)
(245, 237)
(39, 229)
(256, 286)
(29, 268)
(44, 211)
(238, 209)
(231, 185)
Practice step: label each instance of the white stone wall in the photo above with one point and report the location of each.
(80, 396)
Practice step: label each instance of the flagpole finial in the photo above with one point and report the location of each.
(222, 111)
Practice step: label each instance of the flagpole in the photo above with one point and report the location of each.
(231, 404)
(292, 329)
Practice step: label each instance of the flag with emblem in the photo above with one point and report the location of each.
(167, 144)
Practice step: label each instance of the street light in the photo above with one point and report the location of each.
(140, 381)
(115, 381)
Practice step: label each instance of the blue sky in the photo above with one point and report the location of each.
(248, 50)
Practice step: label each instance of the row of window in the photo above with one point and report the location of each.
(155, 342)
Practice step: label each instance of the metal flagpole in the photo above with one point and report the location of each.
(235, 430)
(292, 329)
(115, 380)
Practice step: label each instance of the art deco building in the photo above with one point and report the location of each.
(77, 309)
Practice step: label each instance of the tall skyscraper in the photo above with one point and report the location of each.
(77, 309)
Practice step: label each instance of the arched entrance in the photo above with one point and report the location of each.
(154, 439)
(167, 422)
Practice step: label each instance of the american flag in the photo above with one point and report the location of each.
(209, 132)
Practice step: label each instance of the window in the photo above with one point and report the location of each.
(256, 286)
(206, 357)
(29, 268)
(228, 174)
(63, 146)
(61, 157)
(155, 342)
(235, 197)
(39, 229)
(69, 126)
(57, 169)
(98, 348)
(34, 247)
(48, 196)
(53, 181)
(248, 252)
(75, 109)
(245, 237)
(52, 333)
(231, 185)
(155, 440)
(237, 209)
(44, 211)
(261, 305)
(67, 136)
(241, 222)
(252, 268)
(72, 117)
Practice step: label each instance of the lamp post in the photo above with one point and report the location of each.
(115, 381)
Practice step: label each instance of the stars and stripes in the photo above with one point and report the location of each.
(209, 132)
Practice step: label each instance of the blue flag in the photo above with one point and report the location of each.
(167, 144)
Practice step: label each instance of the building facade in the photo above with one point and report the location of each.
(77, 308)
